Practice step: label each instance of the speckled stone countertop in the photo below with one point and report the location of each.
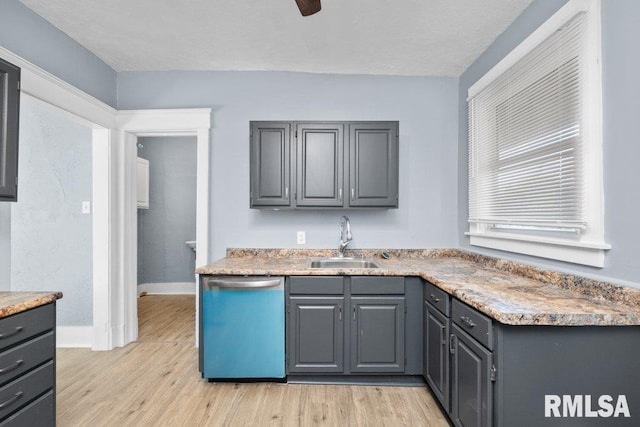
(509, 292)
(17, 302)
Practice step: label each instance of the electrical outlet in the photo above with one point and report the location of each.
(301, 238)
(86, 207)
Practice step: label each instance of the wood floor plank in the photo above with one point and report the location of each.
(155, 382)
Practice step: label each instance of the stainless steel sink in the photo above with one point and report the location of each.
(342, 263)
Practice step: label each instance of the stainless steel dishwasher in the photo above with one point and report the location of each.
(242, 328)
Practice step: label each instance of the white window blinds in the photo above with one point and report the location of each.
(526, 139)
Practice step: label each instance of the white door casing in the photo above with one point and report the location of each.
(113, 195)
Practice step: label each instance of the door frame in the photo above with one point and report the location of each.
(132, 124)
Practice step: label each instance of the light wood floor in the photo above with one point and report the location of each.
(155, 382)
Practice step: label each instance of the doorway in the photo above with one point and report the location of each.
(166, 228)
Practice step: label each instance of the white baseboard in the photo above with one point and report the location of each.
(74, 336)
(171, 288)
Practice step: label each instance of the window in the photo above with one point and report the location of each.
(535, 162)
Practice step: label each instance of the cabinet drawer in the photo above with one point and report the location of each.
(377, 285)
(316, 285)
(22, 326)
(24, 389)
(437, 298)
(473, 322)
(42, 412)
(26, 356)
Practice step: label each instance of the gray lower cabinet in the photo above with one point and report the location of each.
(27, 361)
(324, 165)
(377, 334)
(436, 353)
(352, 325)
(316, 336)
(471, 387)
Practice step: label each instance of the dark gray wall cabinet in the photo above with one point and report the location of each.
(9, 124)
(27, 358)
(303, 165)
(270, 153)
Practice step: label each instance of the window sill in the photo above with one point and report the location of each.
(584, 253)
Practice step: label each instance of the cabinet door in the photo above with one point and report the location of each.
(270, 171)
(377, 334)
(316, 334)
(320, 152)
(373, 164)
(436, 353)
(9, 118)
(471, 395)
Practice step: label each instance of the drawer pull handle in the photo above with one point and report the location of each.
(434, 298)
(12, 399)
(467, 321)
(11, 367)
(10, 334)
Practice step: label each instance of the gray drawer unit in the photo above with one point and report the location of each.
(316, 285)
(25, 325)
(26, 388)
(437, 298)
(27, 368)
(383, 285)
(473, 322)
(26, 356)
(41, 412)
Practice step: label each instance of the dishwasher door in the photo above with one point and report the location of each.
(243, 327)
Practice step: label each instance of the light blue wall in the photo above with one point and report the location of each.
(33, 38)
(427, 109)
(621, 90)
(51, 241)
(170, 220)
(5, 247)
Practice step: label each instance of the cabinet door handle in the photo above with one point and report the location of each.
(12, 333)
(11, 367)
(434, 298)
(452, 344)
(353, 194)
(467, 321)
(286, 192)
(443, 338)
(11, 400)
(340, 314)
(354, 313)
(340, 194)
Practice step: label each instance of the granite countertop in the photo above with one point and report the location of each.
(509, 292)
(17, 302)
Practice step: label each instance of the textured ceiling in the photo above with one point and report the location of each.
(397, 37)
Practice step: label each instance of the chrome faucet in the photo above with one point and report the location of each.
(345, 235)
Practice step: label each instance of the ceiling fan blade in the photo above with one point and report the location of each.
(308, 7)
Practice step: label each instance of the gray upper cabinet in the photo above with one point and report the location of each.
(270, 158)
(324, 165)
(373, 164)
(320, 171)
(9, 123)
